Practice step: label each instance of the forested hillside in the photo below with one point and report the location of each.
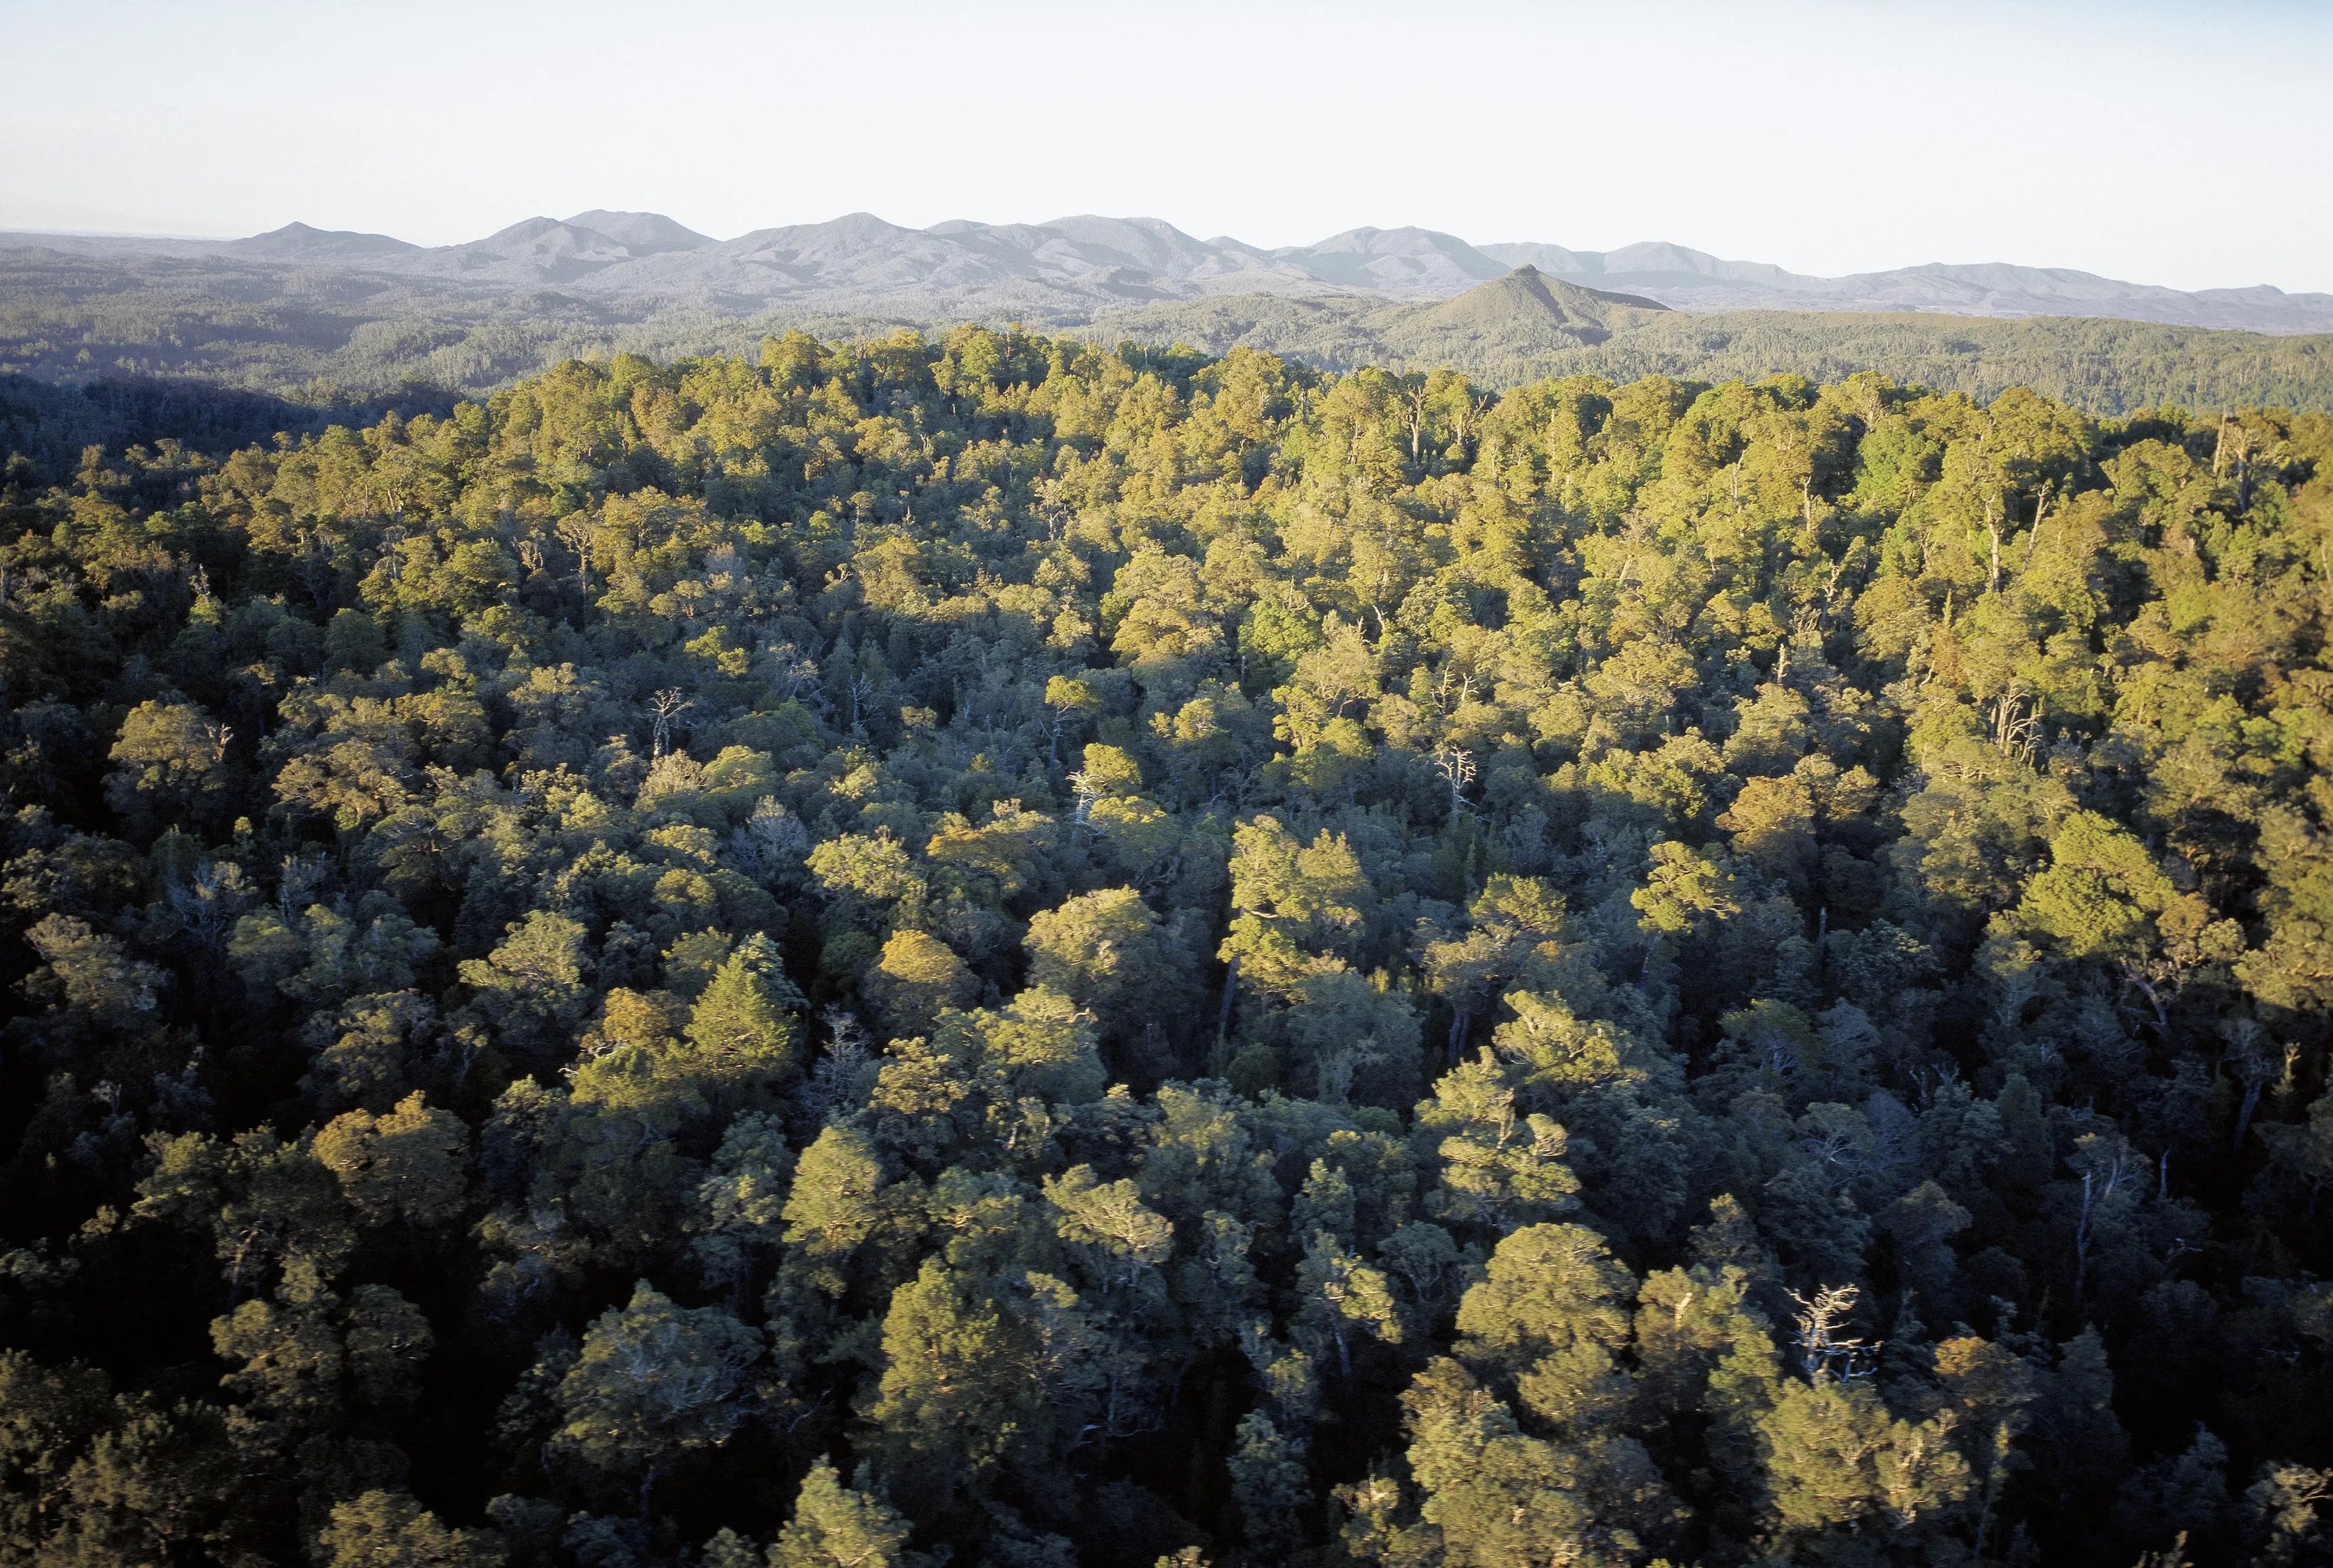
(989, 952)
(1506, 334)
(285, 329)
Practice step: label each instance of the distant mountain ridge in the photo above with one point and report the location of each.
(1084, 267)
(318, 333)
(644, 233)
(1693, 281)
(296, 242)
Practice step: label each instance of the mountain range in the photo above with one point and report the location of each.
(1077, 269)
(328, 318)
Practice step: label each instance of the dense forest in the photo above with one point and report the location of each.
(980, 951)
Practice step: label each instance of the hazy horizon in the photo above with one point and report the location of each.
(2165, 144)
(1476, 242)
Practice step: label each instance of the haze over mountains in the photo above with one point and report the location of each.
(320, 317)
(1077, 269)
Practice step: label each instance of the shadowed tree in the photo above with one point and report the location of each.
(655, 1383)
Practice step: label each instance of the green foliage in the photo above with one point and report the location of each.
(955, 1400)
(1166, 953)
(655, 1381)
(390, 1530)
(834, 1527)
(409, 1166)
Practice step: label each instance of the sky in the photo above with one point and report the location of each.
(2164, 141)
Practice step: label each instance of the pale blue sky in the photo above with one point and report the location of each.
(2188, 144)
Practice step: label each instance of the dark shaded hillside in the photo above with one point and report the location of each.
(50, 426)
